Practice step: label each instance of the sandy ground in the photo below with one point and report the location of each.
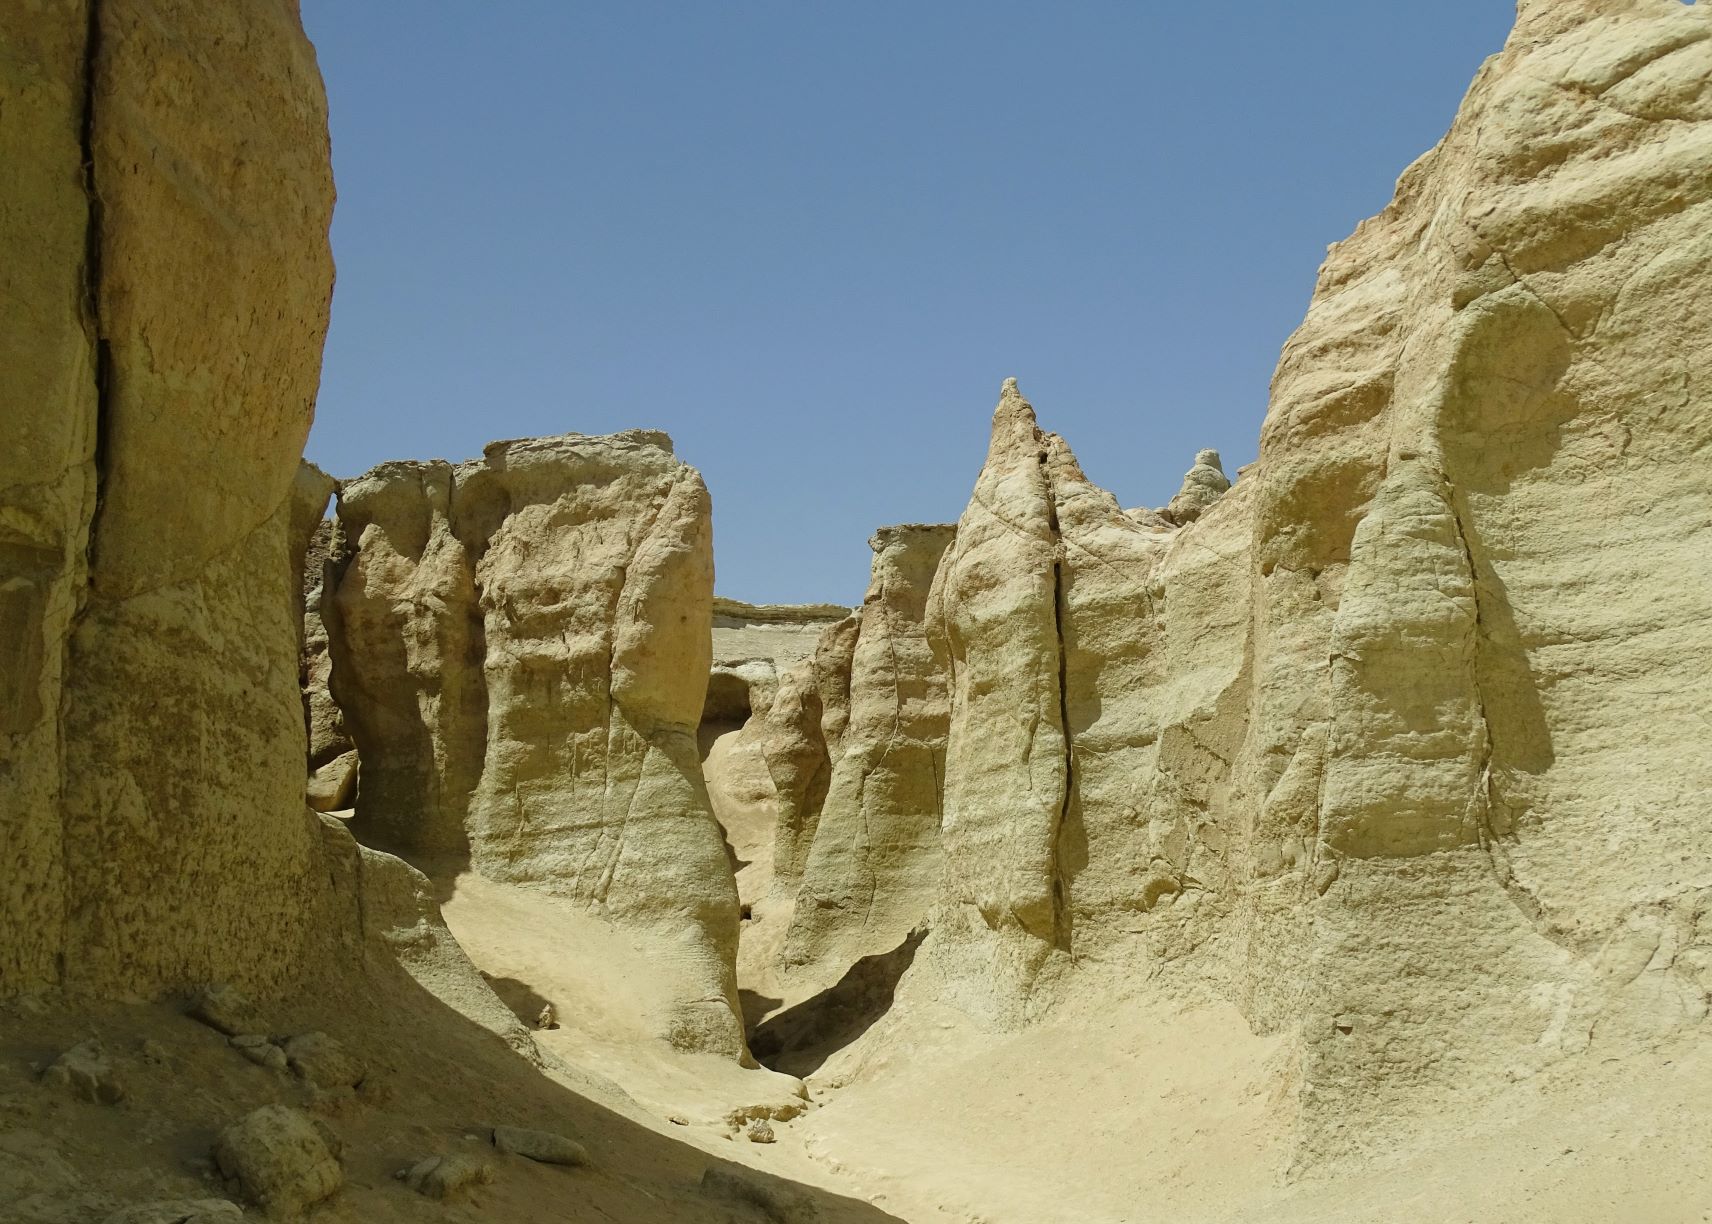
(1122, 1109)
(1115, 1109)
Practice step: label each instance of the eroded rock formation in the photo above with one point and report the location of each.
(521, 650)
(873, 863)
(1338, 746)
(163, 326)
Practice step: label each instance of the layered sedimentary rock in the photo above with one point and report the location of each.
(777, 669)
(1510, 344)
(873, 863)
(1343, 745)
(1090, 657)
(166, 305)
(753, 645)
(520, 647)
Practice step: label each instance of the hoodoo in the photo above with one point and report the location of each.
(1330, 843)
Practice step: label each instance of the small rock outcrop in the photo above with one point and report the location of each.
(1203, 485)
(284, 1160)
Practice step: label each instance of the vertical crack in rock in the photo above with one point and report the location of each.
(92, 241)
(1060, 910)
(1483, 796)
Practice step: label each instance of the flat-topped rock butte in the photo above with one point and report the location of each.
(1329, 842)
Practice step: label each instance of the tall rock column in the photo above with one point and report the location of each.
(993, 619)
(521, 648)
(873, 870)
(170, 298)
(48, 416)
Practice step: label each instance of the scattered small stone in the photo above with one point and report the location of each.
(85, 1072)
(441, 1177)
(323, 1061)
(259, 1050)
(548, 1019)
(155, 1052)
(677, 1119)
(759, 1130)
(542, 1146)
(223, 1008)
(179, 1211)
(283, 1160)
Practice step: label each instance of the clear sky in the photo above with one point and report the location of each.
(809, 240)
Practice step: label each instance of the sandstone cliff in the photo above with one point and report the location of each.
(164, 318)
(520, 648)
(1340, 748)
(873, 864)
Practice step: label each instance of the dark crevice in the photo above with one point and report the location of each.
(1060, 906)
(92, 241)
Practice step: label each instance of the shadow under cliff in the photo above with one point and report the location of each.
(800, 1039)
(448, 1076)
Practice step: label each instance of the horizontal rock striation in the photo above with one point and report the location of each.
(520, 648)
(164, 315)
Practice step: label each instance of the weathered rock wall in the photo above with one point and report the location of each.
(1400, 743)
(166, 305)
(520, 648)
(873, 864)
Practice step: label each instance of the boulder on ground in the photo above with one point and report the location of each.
(542, 1146)
(443, 1177)
(323, 1061)
(283, 1159)
(259, 1050)
(223, 1008)
(85, 1072)
(333, 787)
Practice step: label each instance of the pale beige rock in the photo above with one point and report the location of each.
(405, 642)
(993, 622)
(1203, 485)
(1339, 747)
(322, 1061)
(47, 470)
(873, 870)
(521, 651)
(333, 787)
(325, 722)
(543, 1147)
(87, 1073)
(181, 322)
(446, 1177)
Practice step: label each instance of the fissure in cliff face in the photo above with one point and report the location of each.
(161, 389)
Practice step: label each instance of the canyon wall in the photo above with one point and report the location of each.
(873, 865)
(1400, 743)
(520, 649)
(165, 310)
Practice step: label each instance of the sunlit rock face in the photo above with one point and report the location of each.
(521, 650)
(1356, 745)
(164, 317)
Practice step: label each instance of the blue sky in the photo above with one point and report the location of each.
(810, 240)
